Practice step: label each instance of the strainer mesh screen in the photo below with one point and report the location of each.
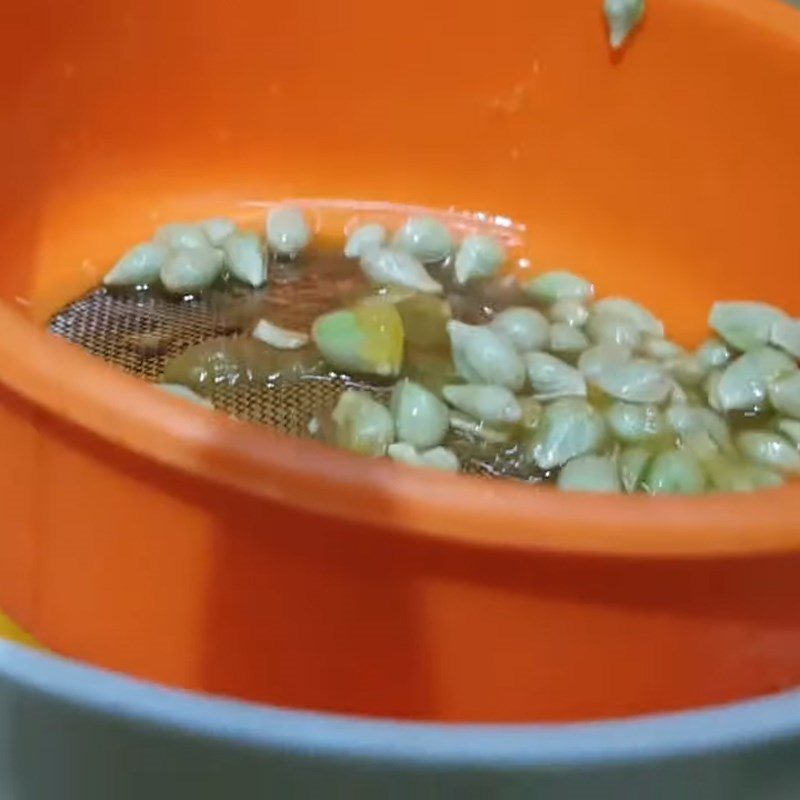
(140, 332)
(116, 328)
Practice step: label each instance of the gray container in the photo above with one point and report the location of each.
(70, 732)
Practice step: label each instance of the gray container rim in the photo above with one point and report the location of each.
(647, 738)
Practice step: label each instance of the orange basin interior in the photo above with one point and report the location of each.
(150, 537)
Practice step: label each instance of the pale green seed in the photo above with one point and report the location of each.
(364, 238)
(633, 462)
(735, 475)
(551, 287)
(769, 449)
(420, 417)
(478, 257)
(526, 328)
(764, 478)
(552, 378)
(713, 354)
(440, 458)
(711, 389)
(567, 340)
(622, 16)
(140, 266)
(425, 238)
(191, 270)
(483, 356)
(491, 404)
(185, 393)
(791, 429)
(244, 257)
(570, 312)
(569, 428)
(687, 370)
(368, 338)
(675, 472)
(288, 231)
(660, 349)
(182, 236)
(388, 267)
(341, 341)
(218, 229)
(645, 321)
(786, 335)
(607, 328)
(784, 394)
(632, 422)
(281, 338)
(688, 420)
(744, 325)
(362, 425)
(636, 381)
(700, 445)
(590, 474)
(730, 474)
(744, 383)
(403, 453)
(597, 359)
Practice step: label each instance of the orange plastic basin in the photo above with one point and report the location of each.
(165, 541)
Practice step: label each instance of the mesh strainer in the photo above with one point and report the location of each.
(140, 332)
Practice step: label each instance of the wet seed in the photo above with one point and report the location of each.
(491, 404)
(362, 425)
(425, 238)
(622, 16)
(421, 418)
(551, 287)
(566, 340)
(590, 474)
(569, 428)
(439, 458)
(191, 270)
(769, 449)
(637, 381)
(675, 472)
(483, 356)
(388, 267)
(140, 266)
(552, 378)
(570, 312)
(288, 231)
(645, 321)
(365, 238)
(526, 328)
(744, 326)
(478, 257)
